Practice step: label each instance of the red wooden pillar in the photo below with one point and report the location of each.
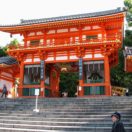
(44, 42)
(80, 34)
(42, 88)
(25, 40)
(107, 76)
(80, 89)
(20, 89)
(54, 82)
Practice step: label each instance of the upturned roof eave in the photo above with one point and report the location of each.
(26, 26)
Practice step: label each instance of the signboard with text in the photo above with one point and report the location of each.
(80, 69)
(36, 92)
(118, 90)
(42, 70)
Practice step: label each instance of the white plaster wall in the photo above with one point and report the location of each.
(62, 58)
(73, 57)
(50, 59)
(36, 59)
(28, 60)
(88, 56)
(98, 55)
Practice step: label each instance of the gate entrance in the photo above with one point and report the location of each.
(68, 83)
(85, 43)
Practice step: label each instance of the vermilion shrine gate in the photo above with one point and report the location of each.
(84, 43)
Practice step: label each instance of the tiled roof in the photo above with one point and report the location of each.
(70, 17)
(86, 15)
(8, 60)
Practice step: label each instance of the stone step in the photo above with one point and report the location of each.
(66, 119)
(2, 129)
(67, 108)
(110, 99)
(55, 123)
(64, 128)
(69, 105)
(65, 102)
(84, 109)
(62, 117)
(120, 99)
(91, 111)
(64, 114)
(49, 113)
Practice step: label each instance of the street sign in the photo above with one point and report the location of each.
(36, 102)
(36, 92)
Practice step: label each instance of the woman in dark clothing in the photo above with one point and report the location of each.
(117, 124)
(4, 91)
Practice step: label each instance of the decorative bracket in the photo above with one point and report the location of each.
(80, 52)
(42, 55)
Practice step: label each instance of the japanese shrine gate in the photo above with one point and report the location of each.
(85, 43)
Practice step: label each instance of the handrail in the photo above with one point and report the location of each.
(107, 41)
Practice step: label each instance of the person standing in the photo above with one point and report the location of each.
(117, 124)
(127, 92)
(4, 91)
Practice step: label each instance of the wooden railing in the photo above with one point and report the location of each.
(107, 41)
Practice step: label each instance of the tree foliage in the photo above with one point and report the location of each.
(68, 83)
(128, 4)
(128, 38)
(13, 43)
(118, 76)
(3, 51)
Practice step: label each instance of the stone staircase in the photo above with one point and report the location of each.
(64, 114)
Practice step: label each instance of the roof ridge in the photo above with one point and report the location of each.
(68, 17)
(8, 60)
(91, 14)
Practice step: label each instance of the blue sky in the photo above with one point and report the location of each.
(11, 11)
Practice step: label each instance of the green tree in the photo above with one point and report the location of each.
(3, 51)
(117, 73)
(14, 43)
(128, 4)
(68, 83)
(128, 38)
(118, 76)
